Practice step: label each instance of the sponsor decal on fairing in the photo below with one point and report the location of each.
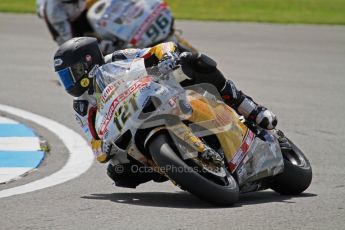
(241, 152)
(132, 89)
(147, 23)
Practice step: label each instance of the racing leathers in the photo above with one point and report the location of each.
(198, 69)
(65, 18)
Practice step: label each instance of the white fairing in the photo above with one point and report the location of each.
(138, 23)
(127, 88)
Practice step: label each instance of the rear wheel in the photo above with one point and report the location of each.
(223, 191)
(297, 174)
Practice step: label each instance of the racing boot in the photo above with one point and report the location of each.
(246, 107)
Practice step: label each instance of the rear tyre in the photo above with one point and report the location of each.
(297, 174)
(161, 149)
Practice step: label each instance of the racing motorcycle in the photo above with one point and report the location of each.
(189, 136)
(122, 24)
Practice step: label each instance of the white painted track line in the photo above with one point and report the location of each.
(7, 174)
(4, 120)
(80, 159)
(19, 144)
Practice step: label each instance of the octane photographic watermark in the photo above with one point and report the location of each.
(119, 169)
(167, 169)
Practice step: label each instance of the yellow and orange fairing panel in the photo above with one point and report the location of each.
(220, 120)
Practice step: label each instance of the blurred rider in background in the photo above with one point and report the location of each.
(130, 23)
(65, 19)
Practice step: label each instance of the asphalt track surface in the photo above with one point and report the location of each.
(296, 71)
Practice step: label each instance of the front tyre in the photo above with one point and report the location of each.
(297, 174)
(161, 149)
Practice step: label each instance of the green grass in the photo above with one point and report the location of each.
(277, 11)
(18, 6)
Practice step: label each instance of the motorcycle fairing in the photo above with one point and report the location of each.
(219, 120)
(121, 102)
(249, 157)
(264, 159)
(140, 22)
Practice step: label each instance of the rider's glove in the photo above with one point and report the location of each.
(201, 69)
(101, 150)
(200, 63)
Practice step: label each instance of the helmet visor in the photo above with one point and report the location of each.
(69, 76)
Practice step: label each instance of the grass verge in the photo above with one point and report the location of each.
(276, 11)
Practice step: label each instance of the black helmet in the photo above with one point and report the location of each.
(73, 62)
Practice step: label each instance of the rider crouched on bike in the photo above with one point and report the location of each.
(77, 61)
(65, 19)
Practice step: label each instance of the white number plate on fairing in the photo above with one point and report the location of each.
(141, 22)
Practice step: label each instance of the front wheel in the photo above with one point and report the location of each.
(163, 153)
(297, 174)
